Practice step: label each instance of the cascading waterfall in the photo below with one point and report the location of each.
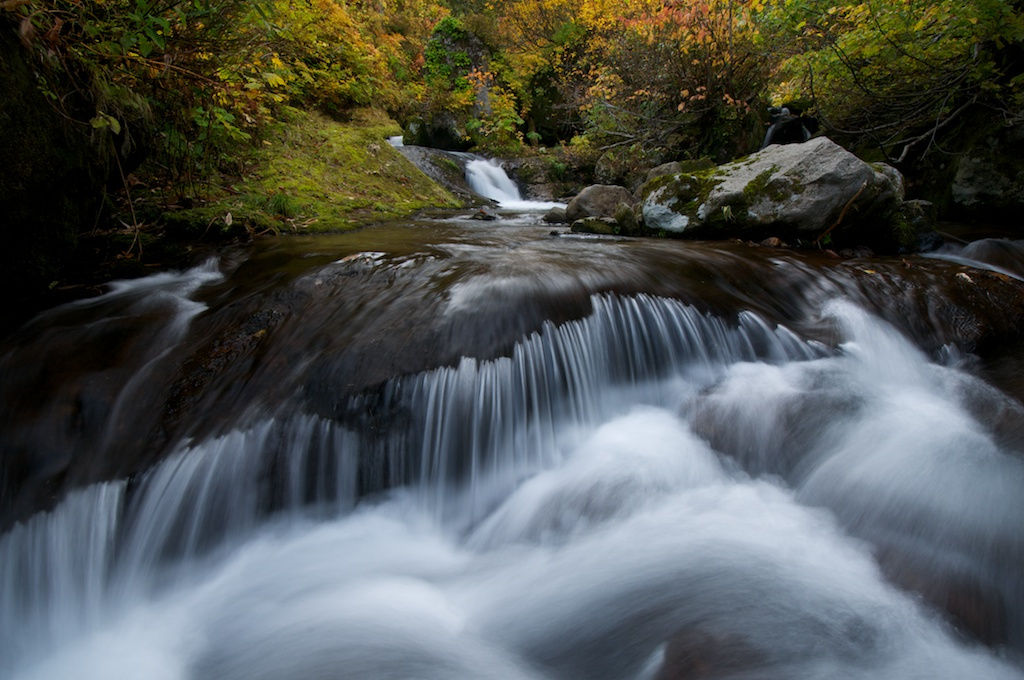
(648, 492)
(576, 524)
(489, 179)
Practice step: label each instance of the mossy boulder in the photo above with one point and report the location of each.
(802, 192)
(625, 216)
(676, 167)
(597, 200)
(605, 226)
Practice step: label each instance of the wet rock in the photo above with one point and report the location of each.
(626, 218)
(597, 200)
(555, 216)
(484, 215)
(773, 242)
(440, 131)
(973, 606)
(671, 168)
(446, 168)
(596, 225)
(916, 222)
(860, 252)
(696, 654)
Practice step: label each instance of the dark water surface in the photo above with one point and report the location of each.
(453, 449)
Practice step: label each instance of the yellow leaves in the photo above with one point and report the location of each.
(273, 79)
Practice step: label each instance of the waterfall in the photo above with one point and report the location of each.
(488, 178)
(640, 493)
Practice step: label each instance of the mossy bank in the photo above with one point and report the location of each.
(311, 173)
(307, 173)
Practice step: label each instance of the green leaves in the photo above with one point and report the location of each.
(892, 71)
(104, 121)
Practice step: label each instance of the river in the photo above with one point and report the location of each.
(444, 448)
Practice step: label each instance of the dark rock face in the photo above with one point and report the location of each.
(989, 179)
(441, 131)
(51, 178)
(444, 167)
(788, 126)
(919, 219)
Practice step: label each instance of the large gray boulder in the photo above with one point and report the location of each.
(598, 200)
(809, 191)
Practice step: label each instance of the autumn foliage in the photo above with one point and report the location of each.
(658, 80)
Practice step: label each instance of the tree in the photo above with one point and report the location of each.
(899, 74)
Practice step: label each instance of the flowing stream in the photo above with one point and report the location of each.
(445, 449)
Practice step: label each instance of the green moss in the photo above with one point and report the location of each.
(282, 205)
(696, 165)
(596, 225)
(758, 186)
(903, 232)
(684, 193)
(451, 171)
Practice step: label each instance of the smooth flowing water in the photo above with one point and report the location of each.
(451, 450)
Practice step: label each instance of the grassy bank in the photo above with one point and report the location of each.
(313, 174)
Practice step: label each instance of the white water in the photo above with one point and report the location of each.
(1000, 255)
(488, 178)
(646, 484)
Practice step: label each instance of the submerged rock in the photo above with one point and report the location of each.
(812, 192)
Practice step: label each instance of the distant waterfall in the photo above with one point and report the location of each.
(488, 178)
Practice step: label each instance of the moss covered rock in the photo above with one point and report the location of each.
(798, 191)
(606, 226)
